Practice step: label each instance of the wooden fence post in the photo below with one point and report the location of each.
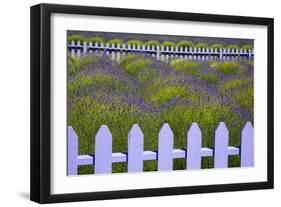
(158, 52)
(165, 148)
(194, 143)
(135, 149)
(90, 47)
(221, 147)
(103, 150)
(84, 48)
(220, 54)
(72, 152)
(72, 48)
(78, 50)
(247, 146)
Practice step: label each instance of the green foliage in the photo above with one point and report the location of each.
(217, 46)
(134, 42)
(169, 45)
(115, 42)
(74, 65)
(132, 63)
(234, 84)
(201, 46)
(187, 67)
(152, 42)
(185, 44)
(146, 74)
(76, 38)
(228, 68)
(209, 78)
(245, 98)
(232, 47)
(167, 93)
(248, 47)
(95, 39)
(100, 83)
(175, 101)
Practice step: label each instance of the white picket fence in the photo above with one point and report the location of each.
(103, 157)
(160, 53)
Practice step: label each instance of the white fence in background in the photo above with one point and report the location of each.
(160, 52)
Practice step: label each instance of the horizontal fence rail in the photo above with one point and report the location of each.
(160, 53)
(103, 157)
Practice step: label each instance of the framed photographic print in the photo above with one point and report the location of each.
(132, 103)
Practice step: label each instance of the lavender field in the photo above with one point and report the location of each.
(150, 92)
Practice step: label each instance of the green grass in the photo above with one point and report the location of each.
(234, 84)
(104, 82)
(132, 63)
(228, 67)
(87, 115)
(185, 44)
(245, 99)
(115, 42)
(232, 47)
(201, 46)
(209, 78)
(217, 46)
(134, 42)
(96, 39)
(248, 47)
(76, 38)
(75, 65)
(166, 94)
(169, 45)
(151, 43)
(188, 67)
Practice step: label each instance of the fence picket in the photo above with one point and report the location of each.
(194, 142)
(72, 152)
(247, 146)
(221, 147)
(90, 48)
(72, 48)
(84, 48)
(78, 50)
(103, 150)
(165, 148)
(135, 149)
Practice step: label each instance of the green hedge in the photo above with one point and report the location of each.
(156, 43)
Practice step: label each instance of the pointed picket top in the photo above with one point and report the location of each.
(135, 149)
(102, 44)
(103, 150)
(135, 132)
(103, 133)
(194, 143)
(165, 148)
(247, 145)
(166, 131)
(222, 129)
(221, 146)
(72, 152)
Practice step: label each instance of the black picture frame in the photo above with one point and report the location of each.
(41, 98)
